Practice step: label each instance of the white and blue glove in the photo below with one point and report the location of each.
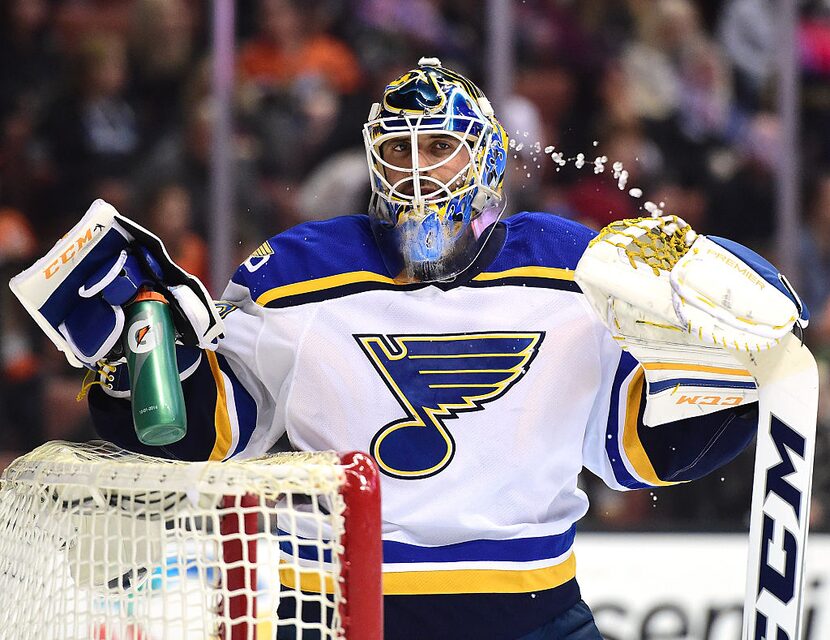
(689, 308)
(76, 292)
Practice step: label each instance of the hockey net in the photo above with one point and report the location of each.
(99, 543)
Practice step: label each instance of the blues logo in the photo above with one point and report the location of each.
(224, 308)
(434, 378)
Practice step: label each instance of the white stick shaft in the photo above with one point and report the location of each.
(788, 403)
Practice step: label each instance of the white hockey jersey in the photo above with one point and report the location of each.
(481, 402)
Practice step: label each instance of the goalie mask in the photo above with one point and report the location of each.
(437, 157)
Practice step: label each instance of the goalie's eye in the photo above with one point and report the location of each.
(395, 149)
(441, 146)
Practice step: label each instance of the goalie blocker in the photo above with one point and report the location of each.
(723, 318)
(77, 291)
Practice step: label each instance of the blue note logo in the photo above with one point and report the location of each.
(434, 378)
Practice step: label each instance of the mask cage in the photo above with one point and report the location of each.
(474, 137)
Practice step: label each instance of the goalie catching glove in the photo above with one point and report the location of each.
(76, 293)
(686, 306)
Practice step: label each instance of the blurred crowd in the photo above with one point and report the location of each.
(112, 99)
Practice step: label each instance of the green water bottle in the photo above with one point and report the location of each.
(149, 338)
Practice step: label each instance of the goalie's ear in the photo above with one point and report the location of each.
(765, 269)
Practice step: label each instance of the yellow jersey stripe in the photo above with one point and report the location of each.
(553, 273)
(222, 420)
(355, 277)
(678, 366)
(321, 284)
(402, 583)
(631, 439)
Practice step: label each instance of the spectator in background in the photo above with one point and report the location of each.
(681, 198)
(526, 162)
(335, 186)
(298, 89)
(601, 198)
(445, 28)
(94, 132)
(551, 88)
(679, 86)
(29, 72)
(814, 44)
(78, 20)
(29, 78)
(163, 53)
(747, 32)
(705, 94)
(287, 48)
(170, 216)
(814, 258)
(742, 206)
(184, 158)
(650, 61)
(21, 377)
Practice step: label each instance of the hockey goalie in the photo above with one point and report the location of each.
(482, 361)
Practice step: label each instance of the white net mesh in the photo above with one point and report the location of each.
(98, 543)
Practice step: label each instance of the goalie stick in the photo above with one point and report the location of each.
(784, 452)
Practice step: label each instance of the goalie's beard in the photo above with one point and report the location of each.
(432, 249)
(426, 250)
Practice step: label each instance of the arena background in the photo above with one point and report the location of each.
(217, 134)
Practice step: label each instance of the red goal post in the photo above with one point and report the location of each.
(100, 543)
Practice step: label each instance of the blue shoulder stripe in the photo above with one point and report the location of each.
(542, 240)
(313, 252)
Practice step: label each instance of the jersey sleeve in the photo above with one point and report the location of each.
(624, 452)
(231, 408)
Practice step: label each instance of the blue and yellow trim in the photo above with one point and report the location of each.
(632, 445)
(305, 290)
(449, 581)
(529, 276)
(239, 419)
(321, 284)
(222, 420)
(701, 383)
(342, 284)
(479, 580)
(625, 443)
